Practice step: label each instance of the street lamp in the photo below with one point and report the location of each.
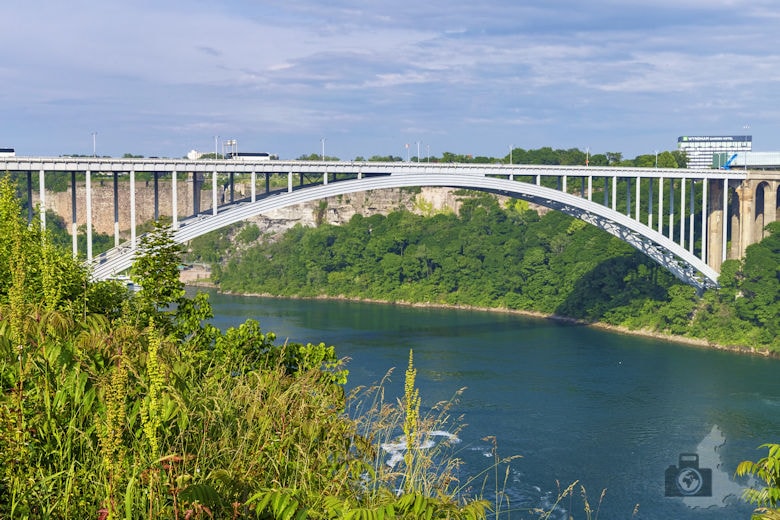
(216, 147)
(323, 148)
(94, 144)
(231, 146)
(418, 151)
(511, 146)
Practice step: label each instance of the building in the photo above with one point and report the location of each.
(700, 149)
(748, 161)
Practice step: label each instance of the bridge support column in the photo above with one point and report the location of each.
(29, 197)
(89, 214)
(195, 193)
(682, 213)
(116, 208)
(734, 221)
(174, 202)
(715, 221)
(704, 215)
(637, 198)
(254, 186)
(74, 229)
(156, 176)
(614, 193)
(590, 187)
(746, 215)
(691, 221)
(724, 224)
(132, 209)
(671, 210)
(42, 198)
(214, 192)
(661, 205)
(289, 182)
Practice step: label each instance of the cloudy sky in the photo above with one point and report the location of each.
(159, 78)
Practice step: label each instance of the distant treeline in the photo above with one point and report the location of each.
(544, 155)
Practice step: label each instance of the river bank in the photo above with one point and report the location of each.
(200, 277)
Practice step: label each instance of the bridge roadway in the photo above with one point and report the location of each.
(502, 179)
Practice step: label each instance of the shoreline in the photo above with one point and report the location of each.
(682, 340)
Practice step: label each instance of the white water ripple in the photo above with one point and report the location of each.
(428, 440)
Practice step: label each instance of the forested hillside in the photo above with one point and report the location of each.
(511, 257)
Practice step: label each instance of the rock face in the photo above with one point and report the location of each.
(103, 203)
(334, 210)
(339, 210)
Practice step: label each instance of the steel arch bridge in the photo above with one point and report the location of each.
(681, 262)
(672, 234)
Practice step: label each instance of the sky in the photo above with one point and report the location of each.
(366, 77)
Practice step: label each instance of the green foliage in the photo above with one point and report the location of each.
(767, 470)
(513, 258)
(210, 247)
(141, 409)
(248, 234)
(156, 270)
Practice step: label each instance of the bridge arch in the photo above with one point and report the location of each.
(681, 262)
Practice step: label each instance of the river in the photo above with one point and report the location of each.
(612, 412)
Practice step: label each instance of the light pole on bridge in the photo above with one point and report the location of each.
(323, 148)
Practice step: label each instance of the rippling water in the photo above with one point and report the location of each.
(609, 411)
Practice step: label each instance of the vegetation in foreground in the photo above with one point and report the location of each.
(115, 405)
(511, 258)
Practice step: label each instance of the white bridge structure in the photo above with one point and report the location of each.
(688, 216)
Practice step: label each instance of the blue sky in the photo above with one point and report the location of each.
(159, 78)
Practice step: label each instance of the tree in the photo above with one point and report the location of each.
(667, 160)
(613, 158)
(156, 269)
(681, 157)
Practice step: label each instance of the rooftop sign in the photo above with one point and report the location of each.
(714, 138)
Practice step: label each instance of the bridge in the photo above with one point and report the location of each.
(687, 220)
